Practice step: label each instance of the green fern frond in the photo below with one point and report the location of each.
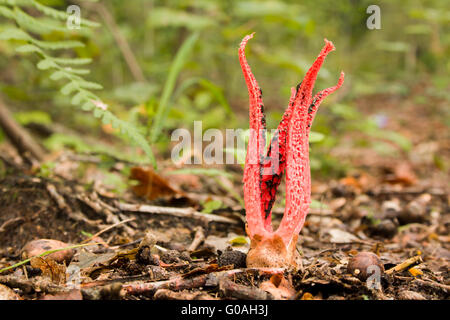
(25, 21)
(63, 69)
(48, 11)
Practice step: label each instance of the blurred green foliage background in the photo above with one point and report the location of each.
(206, 82)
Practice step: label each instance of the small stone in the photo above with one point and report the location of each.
(391, 208)
(386, 228)
(415, 211)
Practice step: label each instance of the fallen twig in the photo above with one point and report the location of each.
(198, 238)
(62, 205)
(105, 210)
(405, 264)
(177, 212)
(107, 229)
(204, 280)
(234, 290)
(10, 223)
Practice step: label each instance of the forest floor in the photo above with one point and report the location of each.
(169, 248)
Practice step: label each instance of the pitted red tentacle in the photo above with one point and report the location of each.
(255, 149)
(304, 96)
(275, 163)
(288, 150)
(318, 98)
(298, 175)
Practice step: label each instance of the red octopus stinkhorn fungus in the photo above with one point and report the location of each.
(288, 150)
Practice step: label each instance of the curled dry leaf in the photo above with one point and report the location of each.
(279, 287)
(50, 269)
(403, 174)
(151, 185)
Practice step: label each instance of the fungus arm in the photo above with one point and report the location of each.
(255, 149)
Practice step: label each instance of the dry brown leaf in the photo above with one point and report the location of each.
(279, 287)
(50, 269)
(359, 184)
(151, 185)
(403, 174)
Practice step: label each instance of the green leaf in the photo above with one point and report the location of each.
(78, 98)
(316, 137)
(36, 25)
(58, 75)
(14, 34)
(28, 48)
(7, 13)
(180, 59)
(46, 64)
(35, 116)
(98, 113)
(88, 106)
(89, 85)
(210, 206)
(164, 17)
(69, 88)
(73, 61)
(238, 241)
(58, 45)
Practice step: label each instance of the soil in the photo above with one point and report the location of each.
(394, 206)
